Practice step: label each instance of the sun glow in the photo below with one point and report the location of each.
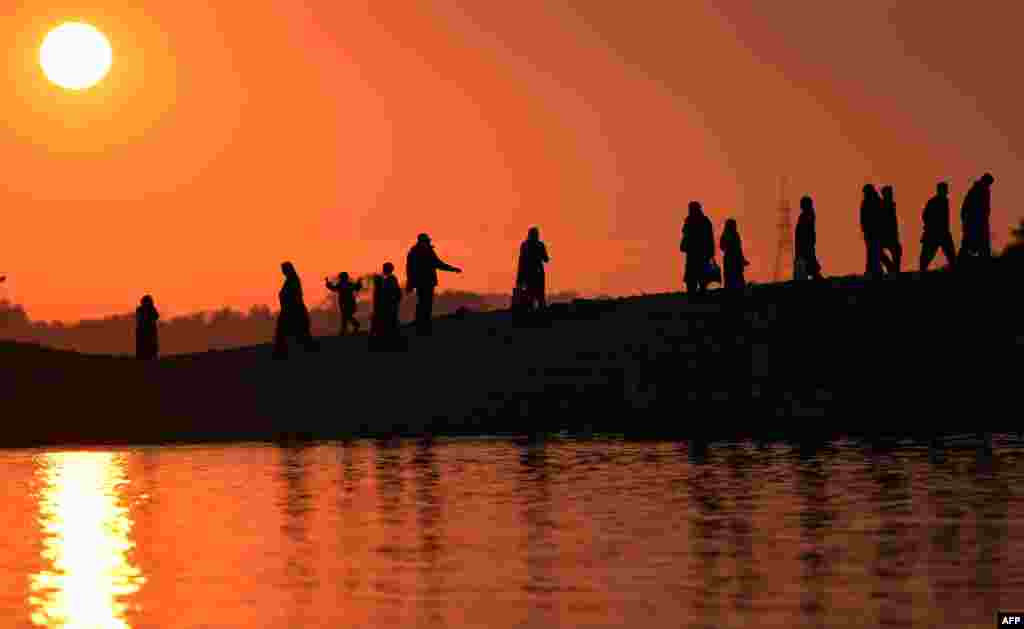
(75, 56)
(86, 543)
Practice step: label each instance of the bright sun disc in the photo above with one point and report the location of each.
(75, 56)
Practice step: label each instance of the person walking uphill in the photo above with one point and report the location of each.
(974, 215)
(421, 267)
(698, 244)
(937, 234)
(347, 305)
(147, 346)
(293, 321)
(530, 272)
(732, 255)
(870, 225)
(805, 264)
(889, 233)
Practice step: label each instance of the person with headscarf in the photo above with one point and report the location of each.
(387, 297)
(805, 263)
(533, 254)
(732, 256)
(421, 267)
(698, 244)
(147, 346)
(974, 216)
(870, 225)
(293, 320)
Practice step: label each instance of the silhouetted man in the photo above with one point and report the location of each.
(293, 321)
(805, 264)
(974, 217)
(530, 272)
(937, 234)
(346, 290)
(147, 346)
(889, 233)
(421, 267)
(870, 223)
(387, 297)
(698, 244)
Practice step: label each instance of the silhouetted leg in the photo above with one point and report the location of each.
(280, 338)
(424, 309)
(928, 249)
(948, 250)
(887, 263)
(897, 256)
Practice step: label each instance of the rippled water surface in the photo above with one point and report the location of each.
(503, 534)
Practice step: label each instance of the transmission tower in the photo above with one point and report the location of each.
(784, 255)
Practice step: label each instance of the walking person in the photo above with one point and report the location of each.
(974, 216)
(889, 233)
(293, 320)
(698, 244)
(533, 255)
(937, 234)
(347, 304)
(421, 267)
(147, 346)
(805, 263)
(732, 256)
(870, 223)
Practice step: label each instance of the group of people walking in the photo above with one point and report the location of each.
(421, 266)
(878, 220)
(879, 225)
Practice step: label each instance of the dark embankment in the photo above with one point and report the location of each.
(913, 354)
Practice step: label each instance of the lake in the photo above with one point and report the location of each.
(500, 533)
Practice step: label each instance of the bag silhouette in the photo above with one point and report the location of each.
(714, 272)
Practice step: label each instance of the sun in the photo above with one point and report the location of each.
(75, 56)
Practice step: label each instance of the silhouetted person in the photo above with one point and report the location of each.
(805, 252)
(889, 233)
(421, 267)
(147, 346)
(698, 244)
(530, 273)
(870, 225)
(293, 321)
(732, 256)
(937, 234)
(974, 216)
(387, 296)
(346, 290)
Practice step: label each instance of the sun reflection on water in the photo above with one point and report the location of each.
(86, 531)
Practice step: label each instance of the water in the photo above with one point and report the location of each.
(500, 534)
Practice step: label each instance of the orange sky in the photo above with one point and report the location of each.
(228, 139)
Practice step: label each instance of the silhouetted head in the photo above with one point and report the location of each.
(730, 225)
(988, 179)
(695, 208)
(942, 188)
(343, 276)
(147, 300)
(533, 234)
(869, 191)
(389, 268)
(288, 269)
(887, 193)
(423, 239)
(806, 204)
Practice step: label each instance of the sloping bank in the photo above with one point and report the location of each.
(914, 354)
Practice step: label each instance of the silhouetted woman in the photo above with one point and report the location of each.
(805, 264)
(732, 256)
(147, 346)
(347, 305)
(889, 233)
(530, 272)
(293, 321)
(699, 246)
(870, 225)
(387, 297)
